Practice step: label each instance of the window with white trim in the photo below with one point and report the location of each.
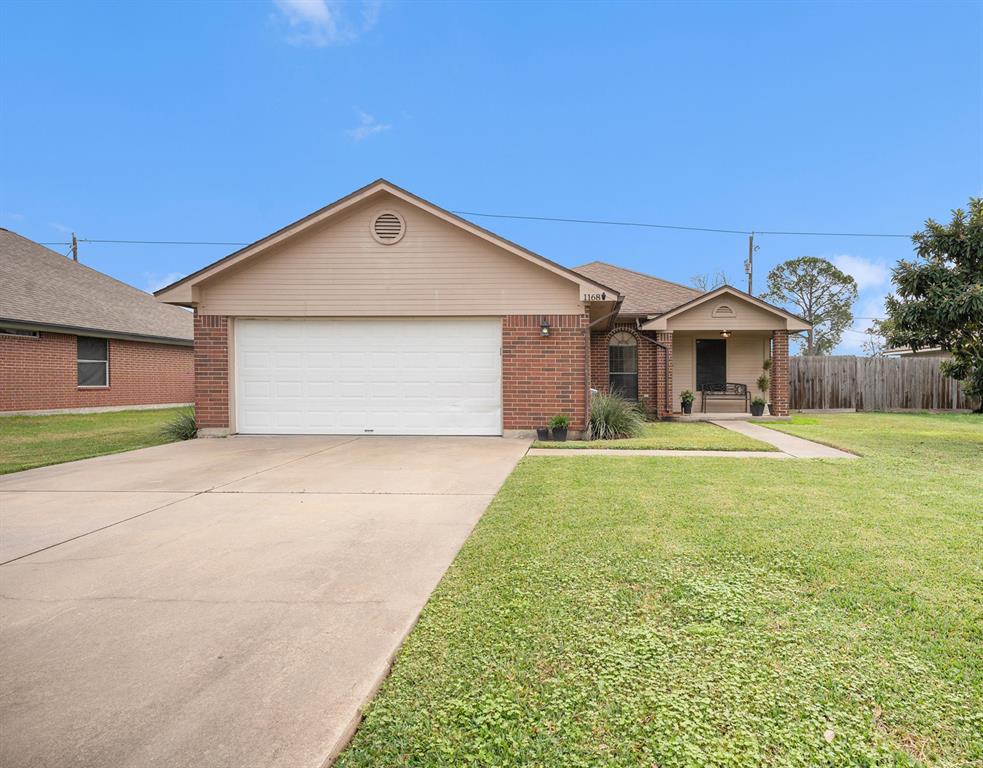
(92, 361)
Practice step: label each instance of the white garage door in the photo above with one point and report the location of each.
(383, 376)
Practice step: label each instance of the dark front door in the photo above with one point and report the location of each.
(711, 362)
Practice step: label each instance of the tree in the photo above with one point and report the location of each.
(938, 300)
(875, 343)
(707, 282)
(820, 293)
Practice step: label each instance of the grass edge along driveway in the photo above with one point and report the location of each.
(673, 435)
(27, 442)
(709, 612)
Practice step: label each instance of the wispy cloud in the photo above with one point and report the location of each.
(867, 273)
(60, 227)
(11, 216)
(154, 281)
(367, 126)
(320, 23)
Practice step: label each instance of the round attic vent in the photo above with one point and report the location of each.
(388, 227)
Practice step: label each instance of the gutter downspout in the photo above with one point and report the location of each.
(665, 351)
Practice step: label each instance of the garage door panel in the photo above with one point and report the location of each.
(375, 376)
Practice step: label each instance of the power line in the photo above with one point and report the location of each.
(674, 226)
(160, 242)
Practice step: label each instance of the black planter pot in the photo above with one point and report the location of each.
(757, 410)
(687, 407)
(542, 433)
(560, 434)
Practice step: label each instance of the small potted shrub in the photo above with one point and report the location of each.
(763, 386)
(687, 398)
(542, 433)
(758, 406)
(559, 424)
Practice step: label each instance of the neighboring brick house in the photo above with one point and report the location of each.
(385, 314)
(74, 339)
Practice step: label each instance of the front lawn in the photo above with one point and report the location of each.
(673, 435)
(35, 441)
(669, 612)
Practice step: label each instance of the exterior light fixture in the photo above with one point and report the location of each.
(544, 329)
(725, 334)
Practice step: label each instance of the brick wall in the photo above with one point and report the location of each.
(779, 373)
(544, 376)
(212, 371)
(650, 365)
(40, 374)
(665, 404)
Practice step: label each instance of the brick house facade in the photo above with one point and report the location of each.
(39, 374)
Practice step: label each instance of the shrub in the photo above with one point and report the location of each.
(758, 401)
(613, 417)
(560, 421)
(687, 397)
(181, 427)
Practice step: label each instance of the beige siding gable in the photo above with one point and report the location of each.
(340, 269)
(726, 312)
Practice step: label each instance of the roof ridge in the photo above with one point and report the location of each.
(642, 274)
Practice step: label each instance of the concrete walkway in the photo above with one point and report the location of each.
(793, 446)
(788, 447)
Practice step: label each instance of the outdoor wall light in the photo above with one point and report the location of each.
(725, 334)
(544, 329)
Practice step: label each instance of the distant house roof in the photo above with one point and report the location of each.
(43, 289)
(644, 294)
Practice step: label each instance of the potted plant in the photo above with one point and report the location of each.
(542, 433)
(687, 398)
(559, 424)
(758, 406)
(764, 383)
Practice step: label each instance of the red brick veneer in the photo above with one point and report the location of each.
(212, 371)
(39, 374)
(651, 376)
(779, 373)
(544, 376)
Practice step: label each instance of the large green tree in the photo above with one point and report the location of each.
(938, 299)
(818, 292)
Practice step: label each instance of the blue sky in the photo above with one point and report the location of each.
(225, 121)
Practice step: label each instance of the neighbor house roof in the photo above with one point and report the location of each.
(44, 290)
(644, 295)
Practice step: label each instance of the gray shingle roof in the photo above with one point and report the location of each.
(644, 294)
(40, 286)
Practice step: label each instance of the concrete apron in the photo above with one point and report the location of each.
(222, 602)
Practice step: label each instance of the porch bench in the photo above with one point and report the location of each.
(728, 391)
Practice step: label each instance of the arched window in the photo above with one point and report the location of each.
(623, 365)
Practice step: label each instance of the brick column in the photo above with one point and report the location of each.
(664, 389)
(212, 374)
(779, 373)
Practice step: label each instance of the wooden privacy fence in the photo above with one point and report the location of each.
(873, 384)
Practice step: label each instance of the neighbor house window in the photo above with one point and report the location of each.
(623, 365)
(93, 362)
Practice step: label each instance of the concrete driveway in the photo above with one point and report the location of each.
(222, 602)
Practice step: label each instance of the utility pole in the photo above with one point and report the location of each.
(75, 248)
(749, 264)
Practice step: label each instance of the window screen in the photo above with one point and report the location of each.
(93, 362)
(623, 365)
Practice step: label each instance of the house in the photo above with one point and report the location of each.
(923, 352)
(385, 314)
(74, 339)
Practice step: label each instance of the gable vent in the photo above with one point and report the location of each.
(388, 227)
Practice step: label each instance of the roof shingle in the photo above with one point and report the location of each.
(40, 286)
(644, 294)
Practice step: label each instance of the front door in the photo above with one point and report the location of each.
(711, 362)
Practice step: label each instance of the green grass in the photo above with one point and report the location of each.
(36, 441)
(673, 435)
(709, 612)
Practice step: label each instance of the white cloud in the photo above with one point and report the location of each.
(60, 227)
(154, 281)
(11, 215)
(367, 126)
(320, 23)
(867, 273)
